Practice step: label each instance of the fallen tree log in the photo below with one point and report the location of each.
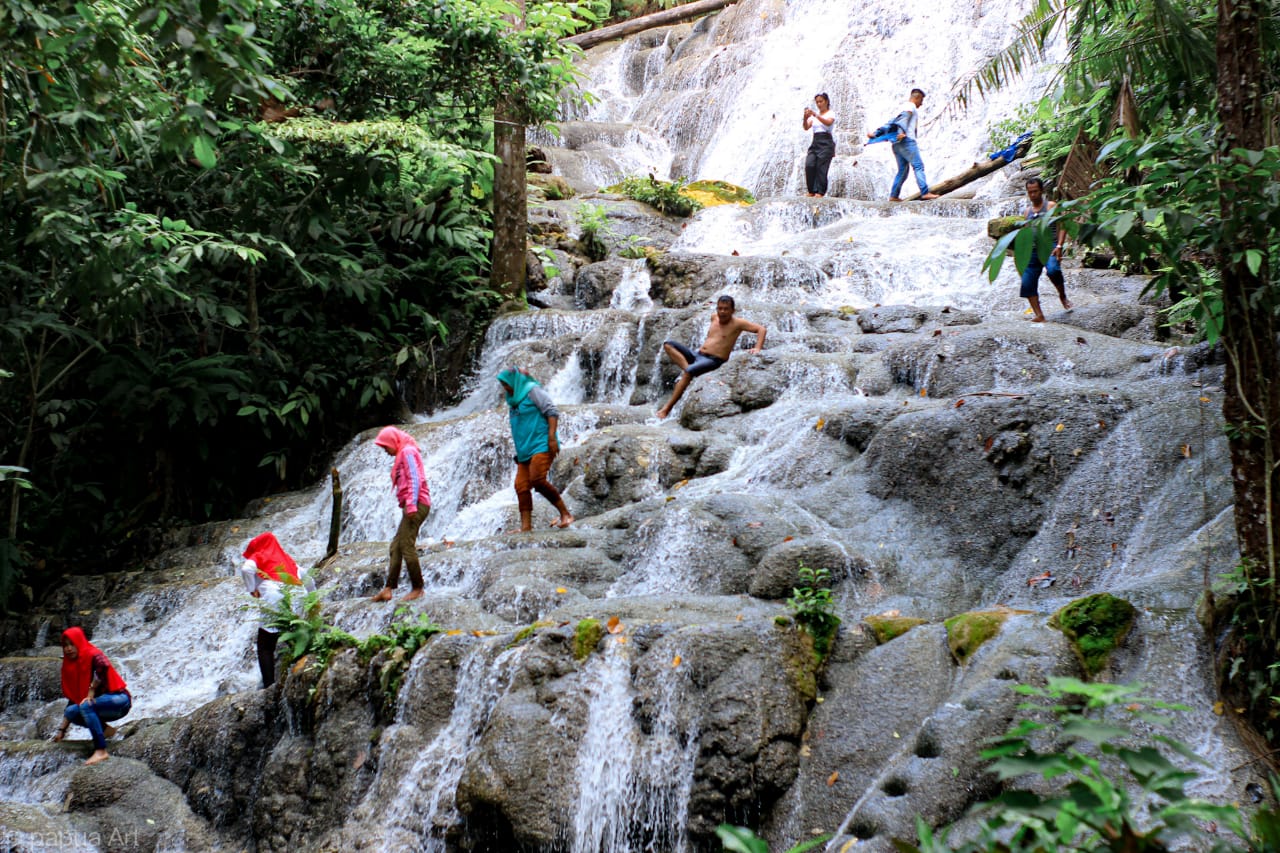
(977, 170)
(675, 15)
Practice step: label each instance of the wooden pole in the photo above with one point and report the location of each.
(647, 22)
(977, 170)
(335, 519)
(510, 188)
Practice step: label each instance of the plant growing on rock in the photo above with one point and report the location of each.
(306, 633)
(665, 196)
(1112, 790)
(593, 222)
(739, 839)
(813, 607)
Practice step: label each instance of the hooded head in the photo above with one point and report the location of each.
(77, 666)
(393, 439)
(270, 558)
(518, 383)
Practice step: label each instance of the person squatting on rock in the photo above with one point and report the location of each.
(96, 694)
(266, 570)
(534, 418)
(1038, 206)
(823, 147)
(409, 478)
(902, 130)
(715, 350)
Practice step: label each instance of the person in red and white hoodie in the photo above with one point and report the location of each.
(409, 477)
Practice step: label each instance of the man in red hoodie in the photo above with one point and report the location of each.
(409, 477)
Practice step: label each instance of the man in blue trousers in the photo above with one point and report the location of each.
(902, 130)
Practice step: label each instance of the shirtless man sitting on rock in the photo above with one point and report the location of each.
(725, 329)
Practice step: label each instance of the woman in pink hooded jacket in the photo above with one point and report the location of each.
(409, 476)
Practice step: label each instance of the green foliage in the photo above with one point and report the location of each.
(1096, 625)
(1251, 670)
(665, 196)
(740, 839)
(407, 634)
(221, 276)
(1111, 789)
(593, 224)
(303, 630)
(814, 608)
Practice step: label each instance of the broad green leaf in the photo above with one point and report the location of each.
(202, 147)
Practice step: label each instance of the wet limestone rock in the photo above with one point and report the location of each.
(1002, 225)
(775, 575)
(126, 807)
(1096, 625)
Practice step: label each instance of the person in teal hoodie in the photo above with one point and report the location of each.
(533, 431)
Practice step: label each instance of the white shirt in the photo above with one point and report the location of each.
(270, 592)
(819, 127)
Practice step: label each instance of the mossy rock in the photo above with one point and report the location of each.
(886, 628)
(552, 186)
(585, 637)
(1002, 225)
(968, 631)
(1096, 625)
(713, 193)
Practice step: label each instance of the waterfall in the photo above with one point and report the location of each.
(606, 756)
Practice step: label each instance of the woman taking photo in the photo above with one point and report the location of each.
(823, 147)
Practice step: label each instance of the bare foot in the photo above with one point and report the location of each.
(1037, 319)
(895, 199)
(563, 521)
(385, 595)
(1066, 303)
(662, 413)
(109, 731)
(99, 755)
(929, 196)
(414, 595)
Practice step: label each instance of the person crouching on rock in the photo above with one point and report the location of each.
(534, 418)
(409, 477)
(715, 350)
(96, 694)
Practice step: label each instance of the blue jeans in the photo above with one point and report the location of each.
(908, 156)
(105, 709)
(1031, 276)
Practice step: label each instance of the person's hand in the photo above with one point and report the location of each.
(808, 112)
(553, 447)
(901, 136)
(58, 735)
(1057, 251)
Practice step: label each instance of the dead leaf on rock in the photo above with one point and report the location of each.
(788, 538)
(614, 625)
(360, 759)
(924, 392)
(675, 661)
(820, 424)
(561, 590)
(959, 403)
(1041, 581)
(755, 524)
(1059, 427)
(1219, 707)
(831, 780)
(453, 632)
(937, 332)
(1186, 451)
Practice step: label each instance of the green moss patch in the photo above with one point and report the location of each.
(968, 631)
(552, 187)
(886, 628)
(586, 636)
(712, 193)
(1002, 225)
(1096, 625)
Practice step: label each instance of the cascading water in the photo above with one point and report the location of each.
(756, 479)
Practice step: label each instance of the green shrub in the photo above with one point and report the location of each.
(814, 608)
(665, 196)
(1110, 789)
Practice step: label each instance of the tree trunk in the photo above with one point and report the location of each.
(1251, 404)
(510, 200)
(647, 22)
(977, 170)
